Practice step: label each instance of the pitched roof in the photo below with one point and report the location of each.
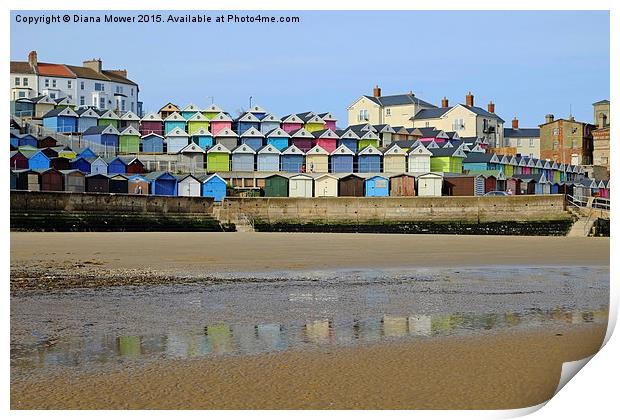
(430, 113)
(522, 132)
(21, 67)
(403, 99)
(57, 70)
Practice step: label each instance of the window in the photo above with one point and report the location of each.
(531, 142)
(574, 143)
(17, 80)
(122, 105)
(53, 95)
(25, 81)
(69, 84)
(518, 142)
(22, 94)
(555, 145)
(82, 101)
(458, 124)
(556, 131)
(131, 105)
(427, 124)
(131, 91)
(101, 103)
(363, 115)
(53, 82)
(47, 82)
(388, 111)
(82, 85)
(99, 87)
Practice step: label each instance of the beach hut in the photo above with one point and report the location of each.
(367, 138)
(97, 183)
(87, 117)
(105, 135)
(376, 186)
(253, 138)
(176, 140)
(162, 183)
(481, 162)
(513, 184)
(276, 186)
(60, 163)
(18, 160)
(385, 133)
(36, 159)
(129, 119)
(117, 165)
(65, 152)
(394, 159)
(227, 138)
(61, 120)
(46, 142)
(402, 185)
(292, 123)
(348, 138)
(74, 181)
(211, 112)
(189, 185)
(129, 140)
(193, 157)
(429, 185)
(325, 185)
(369, 160)
(174, 121)
(98, 165)
(329, 119)
(278, 138)
(312, 122)
(81, 164)
(292, 159)
(317, 160)
(51, 179)
(243, 158)
(341, 159)
(42, 105)
(151, 123)
(214, 186)
(50, 152)
(257, 111)
(220, 122)
(189, 111)
(118, 184)
(137, 184)
(218, 158)
(300, 185)
(27, 140)
(108, 117)
(302, 139)
(463, 185)
(447, 159)
(202, 138)
(85, 153)
(246, 121)
(269, 123)
(152, 143)
(168, 110)
(351, 186)
(327, 139)
(196, 123)
(28, 180)
(268, 159)
(14, 140)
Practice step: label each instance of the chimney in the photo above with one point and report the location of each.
(32, 58)
(469, 99)
(122, 73)
(376, 92)
(515, 123)
(444, 102)
(94, 64)
(491, 107)
(549, 118)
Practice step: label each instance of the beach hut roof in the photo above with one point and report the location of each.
(152, 117)
(177, 132)
(302, 133)
(226, 132)
(394, 150)
(347, 134)
(153, 176)
(327, 116)
(207, 178)
(291, 118)
(252, 132)
(130, 131)
(191, 148)
(383, 128)
(317, 150)
(152, 135)
(278, 132)
(369, 150)
(61, 112)
(198, 117)
(325, 134)
(268, 149)
(292, 150)
(271, 118)
(222, 117)
(175, 116)
(248, 117)
(130, 116)
(368, 135)
(100, 129)
(243, 149)
(191, 108)
(212, 108)
(87, 112)
(218, 148)
(108, 114)
(342, 150)
(257, 109)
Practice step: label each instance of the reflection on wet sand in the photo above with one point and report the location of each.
(223, 339)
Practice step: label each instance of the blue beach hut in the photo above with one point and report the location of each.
(341, 159)
(152, 143)
(61, 120)
(278, 138)
(82, 164)
(87, 117)
(162, 183)
(269, 123)
(214, 186)
(292, 159)
(105, 135)
(253, 138)
(268, 159)
(203, 138)
(348, 138)
(376, 186)
(27, 140)
(117, 165)
(37, 159)
(369, 160)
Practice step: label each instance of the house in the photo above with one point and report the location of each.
(327, 139)
(246, 121)
(152, 123)
(37, 159)
(481, 162)
(300, 185)
(524, 141)
(87, 117)
(129, 119)
(395, 110)
(74, 181)
(243, 158)
(218, 158)
(189, 185)
(349, 138)
(61, 120)
(27, 179)
(174, 120)
(429, 185)
(162, 183)
(98, 165)
(176, 140)
(292, 159)
(18, 160)
(227, 138)
(269, 123)
(292, 123)
(138, 184)
(312, 122)
(317, 160)
(394, 158)
(97, 183)
(129, 140)
(325, 185)
(118, 184)
(377, 186)
(402, 185)
(351, 186)
(104, 135)
(189, 111)
(213, 186)
(212, 111)
(253, 138)
(278, 138)
(117, 165)
(268, 159)
(152, 143)
(193, 157)
(369, 160)
(202, 138)
(367, 138)
(302, 139)
(566, 140)
(51, 179)
(167, 110)
(464, 185)
(219, 122)
(196, 123)
(341, 159)
(108, 117)
(60, 163)
(276, 186)
(447, 159)
(329, 119)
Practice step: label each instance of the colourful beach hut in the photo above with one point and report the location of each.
(176, 140)
(327, 139)
(218, 158)
(189, 185)
(117, 165)
(168, 109)
(46, 142)
(369, 160)
(367, 138)
(98, 165)
(429, 185)
(329, 119)
(212, 111)
(193, 157)
(481, 162)
(341, 159)
(302, 139)
(134, 165)
(105, 135)
(292, 123)
(196, 123)
(60, 163)
(268, 159)
(202, 138)
(162, 183)
(138, 184)
(312, 122)
(269, 123)
(219, 122)
(227, 138)
(61, 120)
(243, 158)
(27, 140)
(394, 159)
(257, 111)
(151, 123)
(317, 160)
(276, 186)
(214, 186)
(37, 159)
(81, 164)
(152, 143)
(253, 138)
(129, 119)
(51, 179)
(348, 138)
(174, 121)
(377, 186)
(129, 140)
(108, 117)
(278, 138)
(300, 185)
(292, 159)
(447, 159)
(74, 181)
(118, 184)
(245, 122)
(97, 183)
(18, 160)
(189, 111)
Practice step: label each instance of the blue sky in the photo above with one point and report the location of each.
(528, 63)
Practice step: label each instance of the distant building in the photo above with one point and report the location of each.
(525, 141)
(601, 113)
(600, 136)
(86, 85)
(395, 110)
(566, 140)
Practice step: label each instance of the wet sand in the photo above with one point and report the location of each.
(494, 371)
(161, 257)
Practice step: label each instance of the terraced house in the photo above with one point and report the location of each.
(85, 85)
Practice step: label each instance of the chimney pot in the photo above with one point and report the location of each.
(491, 107)
(32, 58)
(444, 102)
(549, 118)
(376, 92)
(469, 99)
(515, 123)
(94, 64)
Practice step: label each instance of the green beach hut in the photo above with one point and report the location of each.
(276, 186)
(448, 159)
(108, 118)
(196, 122)
(218, 158)
(129, 140)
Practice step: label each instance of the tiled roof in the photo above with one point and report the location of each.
(58, 70)
(68, 71)
(394, 100)
(21, 67)
(522, 132)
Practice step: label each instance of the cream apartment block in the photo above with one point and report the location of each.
(525, 141)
